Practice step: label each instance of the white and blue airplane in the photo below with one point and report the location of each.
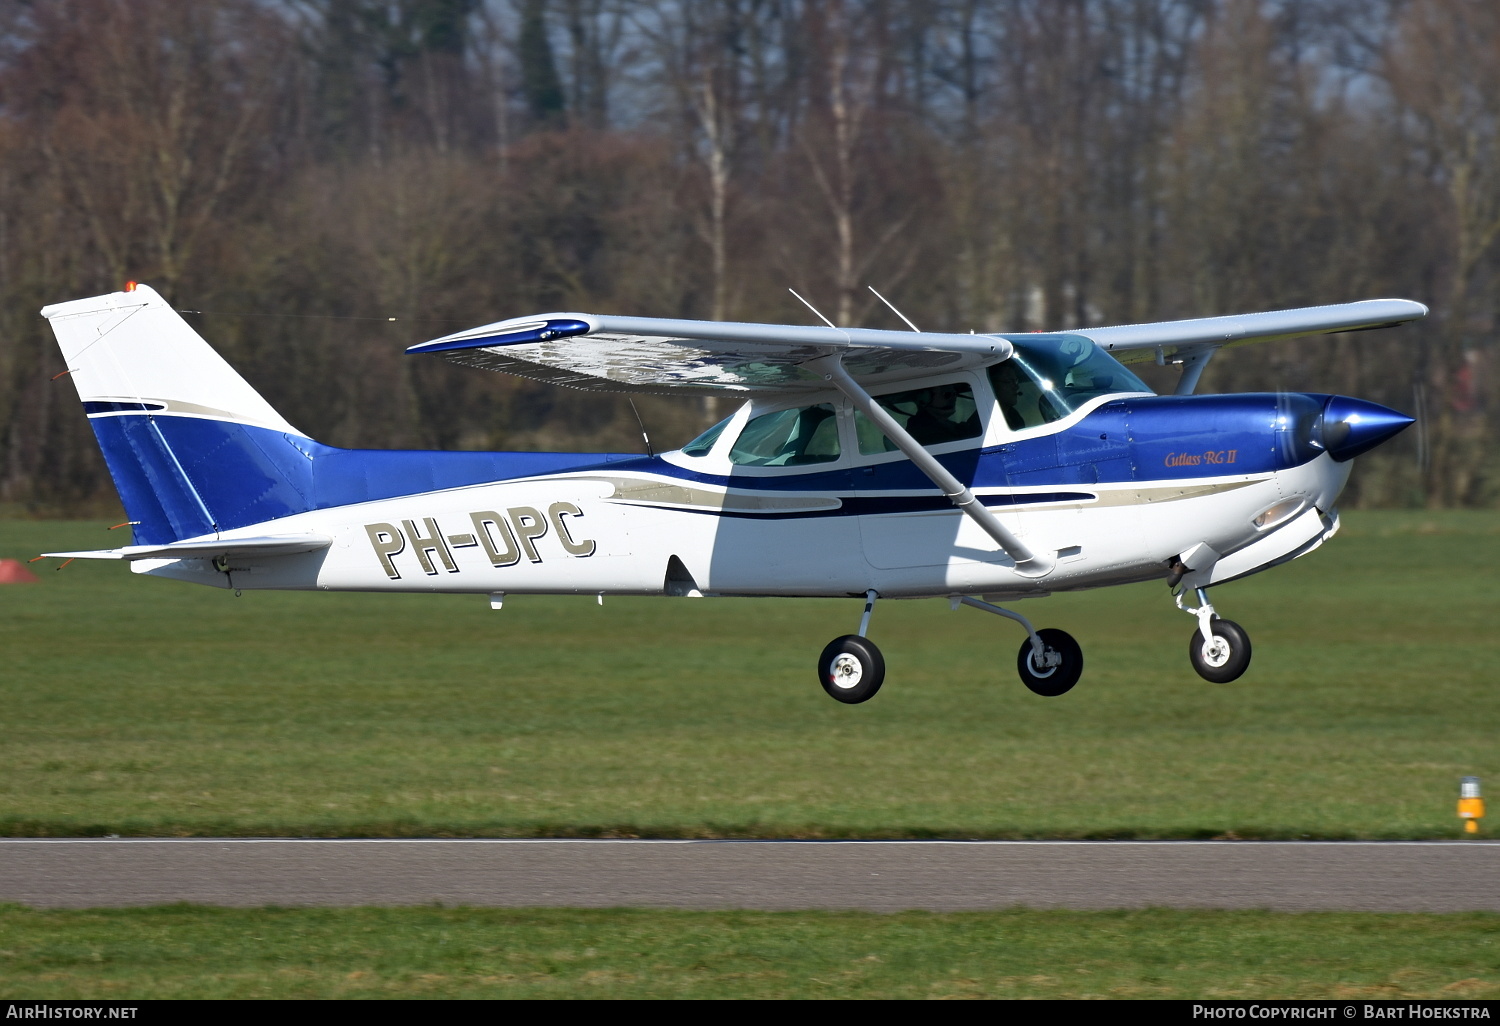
(976, 468)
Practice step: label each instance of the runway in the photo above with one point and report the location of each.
(873, 875)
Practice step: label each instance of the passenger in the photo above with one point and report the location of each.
(935, 420)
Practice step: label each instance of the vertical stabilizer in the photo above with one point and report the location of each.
(192, 447)
(131, 347)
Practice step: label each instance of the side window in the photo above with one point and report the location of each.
(701, 445)
(1021, 399)
(789, 438)
(933, 415)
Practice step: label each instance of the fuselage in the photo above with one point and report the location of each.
(1115, 490)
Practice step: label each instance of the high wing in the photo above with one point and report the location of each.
(657, 354)
(654, 354)
(1133, 343)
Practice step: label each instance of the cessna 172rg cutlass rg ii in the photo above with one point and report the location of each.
(863, 463)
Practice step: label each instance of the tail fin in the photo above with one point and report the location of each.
(192, 447)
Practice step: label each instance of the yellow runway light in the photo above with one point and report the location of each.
(1470, 804)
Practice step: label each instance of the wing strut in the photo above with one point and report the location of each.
(1192, 369)
(1028, 563)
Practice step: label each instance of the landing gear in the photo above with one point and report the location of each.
(1219, 649)
(1224, 656)
(851, 669)
(1050, 661)
(1057, 669)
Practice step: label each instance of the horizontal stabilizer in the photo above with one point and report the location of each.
(275, 545)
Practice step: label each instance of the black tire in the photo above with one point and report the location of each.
(1227, 659)
(1059, 678)
(851, 669)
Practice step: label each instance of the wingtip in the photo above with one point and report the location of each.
(517, 331)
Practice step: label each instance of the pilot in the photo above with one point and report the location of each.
(1019, 396)
(1008, 394)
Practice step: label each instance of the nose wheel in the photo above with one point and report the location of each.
(1219, 649)
(1224, 656)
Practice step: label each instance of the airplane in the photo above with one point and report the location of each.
(978, 468)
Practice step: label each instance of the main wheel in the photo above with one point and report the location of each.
(851, 669)
(1061, 664)
(1224, 656)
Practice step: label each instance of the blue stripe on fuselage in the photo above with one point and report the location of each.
(247, 475)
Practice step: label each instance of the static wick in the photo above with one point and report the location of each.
(65, 562)
(62, 373)
(127, 523)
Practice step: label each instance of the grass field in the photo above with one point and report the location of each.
(182, 951)
(138, 706)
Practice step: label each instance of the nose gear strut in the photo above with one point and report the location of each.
(1219, 649)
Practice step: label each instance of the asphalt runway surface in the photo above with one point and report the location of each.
(875, 875)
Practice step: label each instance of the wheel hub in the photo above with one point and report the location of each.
(1216, 652)
(846, 671)
(1050, 661)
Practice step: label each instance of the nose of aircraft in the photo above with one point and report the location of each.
(1353, 426)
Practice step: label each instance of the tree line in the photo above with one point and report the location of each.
(323, 182)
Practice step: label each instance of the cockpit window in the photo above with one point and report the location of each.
(1046, 382)
(932, 416)
(701, 445)
(789, 438)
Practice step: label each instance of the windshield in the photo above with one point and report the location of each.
(1046, 381)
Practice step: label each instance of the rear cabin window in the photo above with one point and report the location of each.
(933, 415)
(1044, 382)
(789, 438)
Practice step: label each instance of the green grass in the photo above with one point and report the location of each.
(138, 706)
(191, 952)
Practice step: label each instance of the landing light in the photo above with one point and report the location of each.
(1277, 513)
(1470, 804)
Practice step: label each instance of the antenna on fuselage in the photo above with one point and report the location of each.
(644, 437)
(898, 313)
(814, 309)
